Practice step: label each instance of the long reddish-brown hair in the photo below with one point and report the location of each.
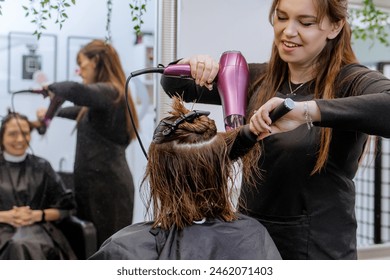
(336, 54)
(109, 70)
(189, 173)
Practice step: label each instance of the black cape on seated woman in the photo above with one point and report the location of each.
(211, 240)
(40, 187)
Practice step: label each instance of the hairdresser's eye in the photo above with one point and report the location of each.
(281, 16)
(307, 23)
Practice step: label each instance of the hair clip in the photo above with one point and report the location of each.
(189, 117)
(165, 128)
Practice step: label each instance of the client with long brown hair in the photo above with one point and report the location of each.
(188, 178)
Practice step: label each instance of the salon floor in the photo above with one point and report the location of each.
(374, 252)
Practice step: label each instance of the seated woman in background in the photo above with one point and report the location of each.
(31, 197)
(189, 174)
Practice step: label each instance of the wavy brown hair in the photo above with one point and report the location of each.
(189, 172)
(109, 70)
(336, 54)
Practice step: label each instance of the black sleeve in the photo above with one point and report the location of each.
(243, 143)
(69, 112)
(189, 91)
(367, 111)
(95, 95)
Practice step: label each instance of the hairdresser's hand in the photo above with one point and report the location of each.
(204, 69)
(261, 124)
(41, 112)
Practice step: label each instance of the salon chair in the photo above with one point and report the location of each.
(80, 234)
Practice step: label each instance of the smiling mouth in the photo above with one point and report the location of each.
(290, 44)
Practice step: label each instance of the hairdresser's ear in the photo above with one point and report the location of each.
(336, 28)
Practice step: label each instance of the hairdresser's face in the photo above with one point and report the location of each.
(16, 137)
(87, 69)
(299, 36)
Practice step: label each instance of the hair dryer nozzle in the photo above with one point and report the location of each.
(52, 110)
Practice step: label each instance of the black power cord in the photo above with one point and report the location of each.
(159, 69)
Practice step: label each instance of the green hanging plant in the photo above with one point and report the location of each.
(137, 8)
(41, 11)
(372, 23)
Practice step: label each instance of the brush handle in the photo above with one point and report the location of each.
(282, 109)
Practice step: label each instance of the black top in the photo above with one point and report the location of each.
(103, 182)
(312, 217)
(243, 239)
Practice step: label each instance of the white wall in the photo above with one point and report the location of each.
(212, 27)
(216, 26)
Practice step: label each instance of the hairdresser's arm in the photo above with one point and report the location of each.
(69, 112)
(189, 91)
(201, 88)
(304, 112)
(365, 113)
(97, 95)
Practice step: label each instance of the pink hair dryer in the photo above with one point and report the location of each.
(232, 84)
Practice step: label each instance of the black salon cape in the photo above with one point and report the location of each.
(37, 185)
(243, 239)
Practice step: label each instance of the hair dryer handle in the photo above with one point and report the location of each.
(178, 70)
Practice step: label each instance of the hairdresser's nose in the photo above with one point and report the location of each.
(291, 29)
